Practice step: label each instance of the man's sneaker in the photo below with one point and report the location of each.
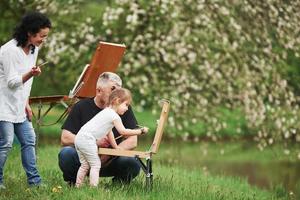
(71, 183)
(2, 187)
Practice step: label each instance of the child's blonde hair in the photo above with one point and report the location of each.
(120, 95)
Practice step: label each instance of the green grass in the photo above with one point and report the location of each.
(170, 182)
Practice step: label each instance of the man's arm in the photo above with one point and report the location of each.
(129, 143)
(67, 138)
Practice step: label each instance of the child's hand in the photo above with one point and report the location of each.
(144, 130)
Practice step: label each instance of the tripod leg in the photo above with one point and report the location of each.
(149, 175)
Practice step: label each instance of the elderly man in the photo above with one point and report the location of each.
(122, 169)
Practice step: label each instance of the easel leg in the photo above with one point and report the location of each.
(149, 174)
(147, 170)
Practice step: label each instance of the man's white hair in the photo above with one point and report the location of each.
(105, 77)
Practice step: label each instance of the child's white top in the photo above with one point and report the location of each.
(100, 125)
(13, 93)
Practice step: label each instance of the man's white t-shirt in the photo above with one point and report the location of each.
(101, 124)
(14, 62)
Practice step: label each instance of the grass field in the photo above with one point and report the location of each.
(170, 182)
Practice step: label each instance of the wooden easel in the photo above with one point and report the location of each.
(106, 58)
(138, 155)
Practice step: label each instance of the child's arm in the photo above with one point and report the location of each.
(129, 132)
(111, 139)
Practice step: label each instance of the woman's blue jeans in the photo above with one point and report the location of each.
(26, 136)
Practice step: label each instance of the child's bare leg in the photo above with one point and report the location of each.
(83, 170)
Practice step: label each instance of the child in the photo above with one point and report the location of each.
(98, 127)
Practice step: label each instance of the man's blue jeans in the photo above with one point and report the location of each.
(122, 169)
(26, 136)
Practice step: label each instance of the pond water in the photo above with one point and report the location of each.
(263, 175)
(266, 170)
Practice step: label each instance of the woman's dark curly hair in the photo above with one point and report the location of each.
(31, 22)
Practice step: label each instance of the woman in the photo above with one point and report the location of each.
(17, 67)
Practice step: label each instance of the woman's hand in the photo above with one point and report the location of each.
(28, 112)
(36, 71)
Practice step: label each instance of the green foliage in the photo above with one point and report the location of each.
(208, 55)
(228, 67)
(291, 72)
